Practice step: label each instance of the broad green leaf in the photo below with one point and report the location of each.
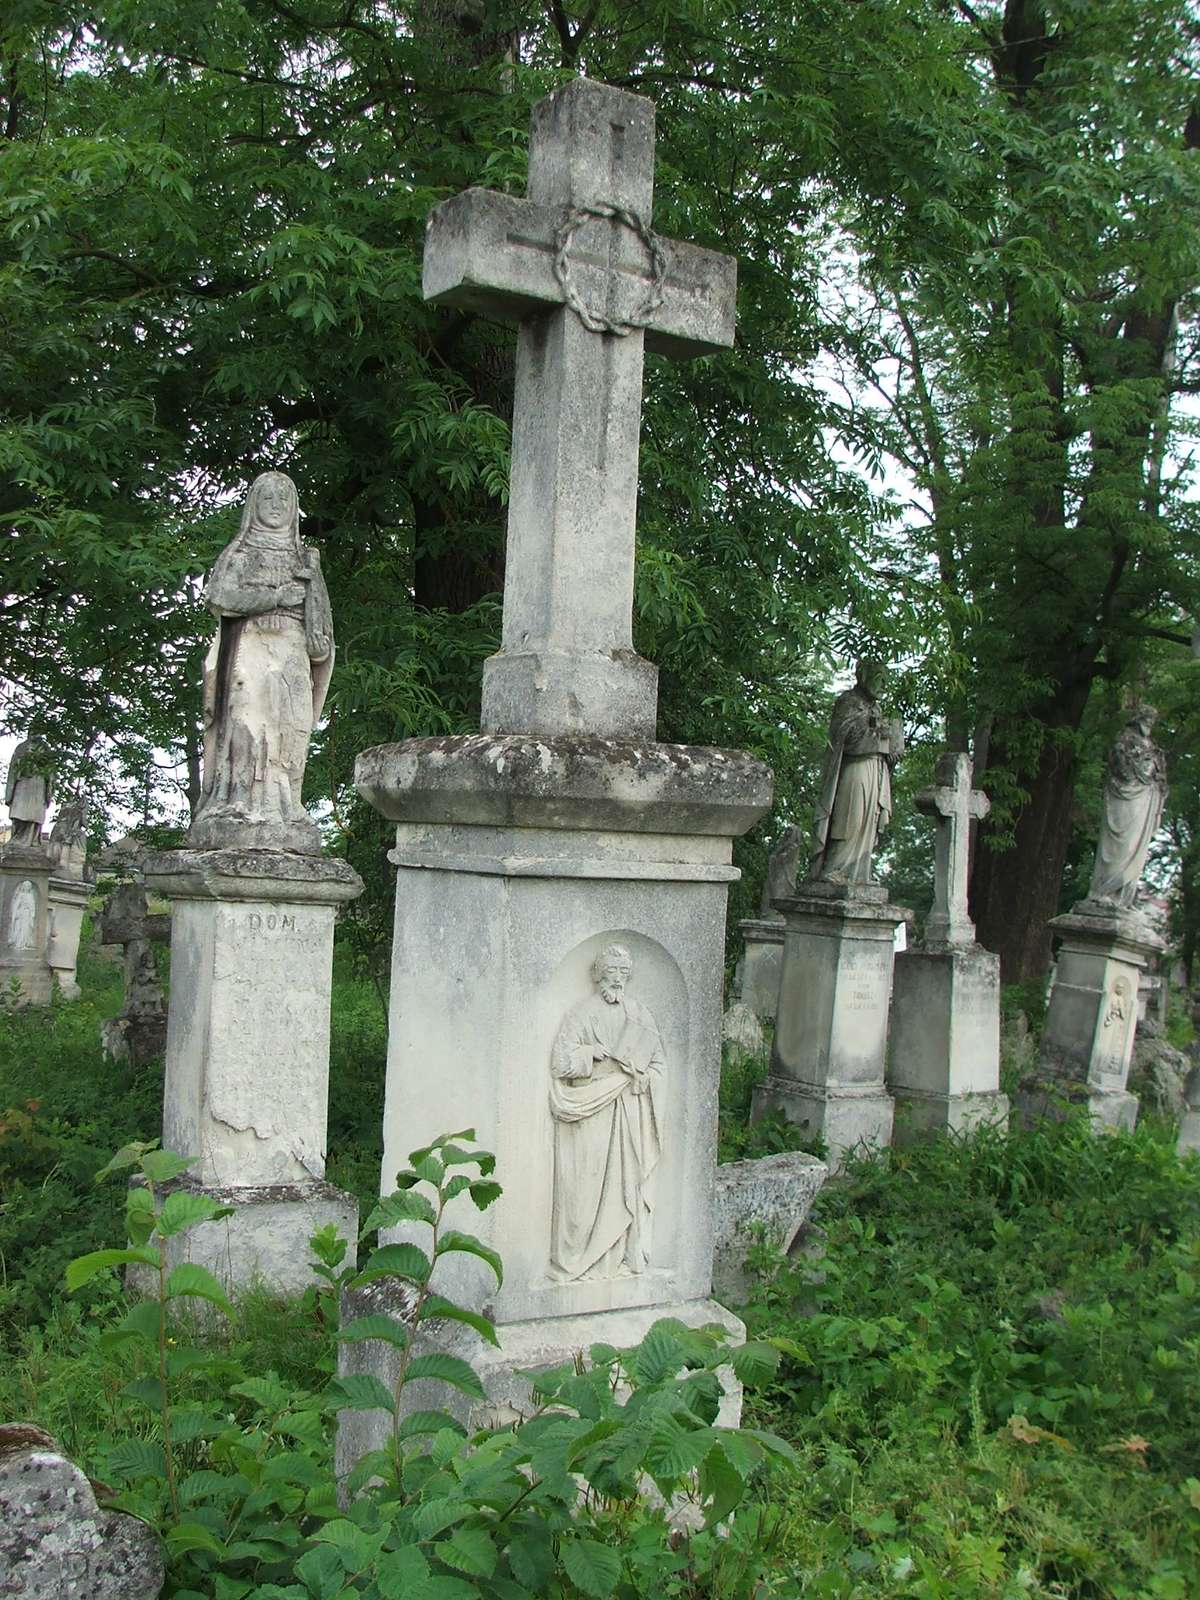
(721, 1485)
(469, 1550)
(160, 1166)
(147, 1391)
(660, 1354)
(205, 1484)
(446, 1369)
(323, 1572)
(407, 1205)
(84, 1268)
(432, 1517)
(139, 1322)
(467, 1244)
(269, 1392)
(184, 1208)
(593, 1567)
(754, 1362)
(394, 1261)
(400, 1572)
(376, 1326)
(192, 1281)
(127, 1156)
(185, 1536)
(417, 1424)
(484, 1192)
(436, 1306)
(136, 1458)
(531, 1556)
(363, 1391)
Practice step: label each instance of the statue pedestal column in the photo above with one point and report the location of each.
(944, 1050)
(828, 1058)
(247, 1059)
(1087, 1042)
(68, 901)
(25, 977)
(761, 965)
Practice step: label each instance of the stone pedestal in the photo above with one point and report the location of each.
(25, 977)
(520, 860)
(1087, 1041)
(827, 1063)
(247, 1060)
(944, 1050)
(68, 899)
(761, 965)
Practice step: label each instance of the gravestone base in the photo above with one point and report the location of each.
(1087, 1042)
(25, 976)
(68, 898)
(264, 1244)
(520, 860)
(247, 1058)
(525, 1348)
(767, 1198)
(830, 1045)
(761, 965)
(944, 1049)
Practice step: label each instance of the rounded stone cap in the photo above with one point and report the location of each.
(251, 875)
(521, 780)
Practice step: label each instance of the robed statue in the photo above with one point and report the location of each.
(265, 678)
(1135, 789)
(605, 1081)
(855, 801)
(28, 790)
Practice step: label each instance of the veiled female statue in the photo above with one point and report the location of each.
(265, 678)
(855, 802)
(1135, 789)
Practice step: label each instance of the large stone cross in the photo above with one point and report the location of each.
(952, 803)
(577, 268)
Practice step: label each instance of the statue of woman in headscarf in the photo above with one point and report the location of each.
(1135, 788)
(265, 678)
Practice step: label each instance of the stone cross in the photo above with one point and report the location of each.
(577, 269)
(952, 803)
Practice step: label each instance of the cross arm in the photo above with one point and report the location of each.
(493, 254)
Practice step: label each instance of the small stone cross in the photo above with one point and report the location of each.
(952, 803)
(576, 267)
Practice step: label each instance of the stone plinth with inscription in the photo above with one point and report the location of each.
(247, 1060)
(1087, 1042)
(25, 976)
(828, 1057)
(944, 1052)
(560, 906)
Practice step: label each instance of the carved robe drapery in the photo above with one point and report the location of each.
(265, 677)
(607, 1140)
(855, 802)
(1134, 791)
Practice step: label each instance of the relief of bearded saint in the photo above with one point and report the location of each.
(606, 1078)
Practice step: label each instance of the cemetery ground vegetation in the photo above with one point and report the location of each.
(985, 1365)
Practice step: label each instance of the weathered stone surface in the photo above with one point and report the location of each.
(1087, 1040)
(1158, 1073)
(25, 975)
(742, 1030)
(247, 1061)
(569, 263)
(944, 1047)
(28, 790)
(56, 1543)
(521, 780)
(953, 804)
(783, 867)
(1189, 1122)
(760, 969)
(828, 1056)
(1135, 790)
(139, 1033)
(854, 803)
(67, 902)
(265, 678)
(771, 1198)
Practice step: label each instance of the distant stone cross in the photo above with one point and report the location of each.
(952, 803)
(578, 269)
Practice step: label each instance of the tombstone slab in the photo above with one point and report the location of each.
(25, 976)
(68, 900)
(56, 1543)
(560, 904)
(138, 1033)
(761, 965)
(1087, 1041)
(944, 1051)
(247, 1057)
(765, 1199)
(830, 1045)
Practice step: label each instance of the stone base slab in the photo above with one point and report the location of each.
(68, 898)
(25, 976)
(525, 1348)
(1038, 1100)
(264, 1244)
(848, 1120)
(920, 1116)
(770, 1198)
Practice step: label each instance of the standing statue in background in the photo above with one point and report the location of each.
(28, 793)
(68, 837)
(265, 678)
(1135, 788)
(783, 863)
(855, 801)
